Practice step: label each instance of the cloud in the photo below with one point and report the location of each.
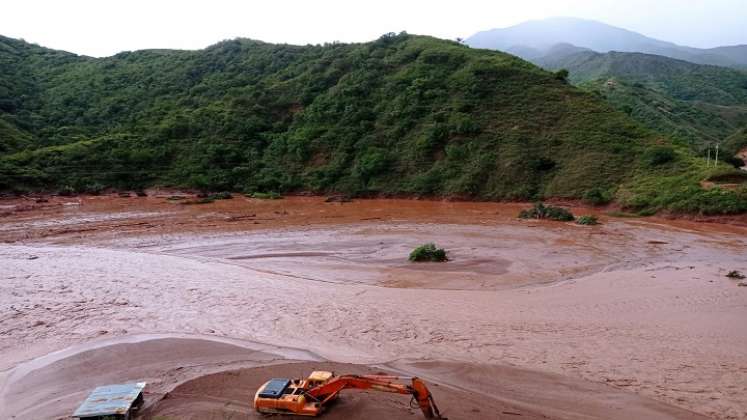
(105, 27)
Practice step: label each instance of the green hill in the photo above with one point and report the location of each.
(696, 104)
(403, 115)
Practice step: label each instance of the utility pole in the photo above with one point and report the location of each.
(715, 163)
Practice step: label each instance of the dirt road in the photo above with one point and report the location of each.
(635, 305)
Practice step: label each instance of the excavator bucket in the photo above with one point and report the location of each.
(425, 400)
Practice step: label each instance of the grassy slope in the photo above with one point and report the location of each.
(402, 115)
(696, 104)
(694, 124)
(679, 79)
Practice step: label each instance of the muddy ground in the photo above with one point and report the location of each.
(631, 319)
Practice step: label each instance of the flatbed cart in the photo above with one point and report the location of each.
(116, 402)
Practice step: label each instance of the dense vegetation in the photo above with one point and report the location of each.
(401, 115)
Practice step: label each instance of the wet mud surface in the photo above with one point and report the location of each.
(205, 378)
(639, 308)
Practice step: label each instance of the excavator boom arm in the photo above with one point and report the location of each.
(418, 389)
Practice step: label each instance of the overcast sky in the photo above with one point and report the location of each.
(105, 27)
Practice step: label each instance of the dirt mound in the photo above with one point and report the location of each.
(229, 395)
(461, 390)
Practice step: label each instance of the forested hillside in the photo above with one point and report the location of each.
(404, 115)
(697, 104)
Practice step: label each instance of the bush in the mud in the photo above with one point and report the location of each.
(266, 196)
(428, 252)
(734, 274)
(541, 211)
(587, 220)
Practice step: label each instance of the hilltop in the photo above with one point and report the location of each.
(403, 115)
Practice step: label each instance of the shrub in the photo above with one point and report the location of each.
(66, 191)
(734, 274)
(659, 155)
(587, 220)
(93, 188)
(541, 211)
(428, 252)
(266, 196)
(597, 197)
(647, 212)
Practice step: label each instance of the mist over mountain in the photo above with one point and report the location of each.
(534, 39)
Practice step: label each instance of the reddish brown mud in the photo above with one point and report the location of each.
(636, 306)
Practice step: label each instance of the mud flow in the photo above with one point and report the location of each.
(634, 318)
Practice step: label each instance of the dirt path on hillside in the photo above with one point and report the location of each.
(639, 305)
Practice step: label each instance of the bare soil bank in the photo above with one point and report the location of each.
(110, 216)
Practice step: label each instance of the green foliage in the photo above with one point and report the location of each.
(691, 103)
(597, 197)
(676, 188)
(428, 252)
(659, 155)
(562, 75)
(266, 196)
(403, 115)
(541, 211)
(587, 220)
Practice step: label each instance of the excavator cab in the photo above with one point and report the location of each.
(319, 377)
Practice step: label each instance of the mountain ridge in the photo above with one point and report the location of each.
(541, 35)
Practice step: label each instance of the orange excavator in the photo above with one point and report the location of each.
(310, 396)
